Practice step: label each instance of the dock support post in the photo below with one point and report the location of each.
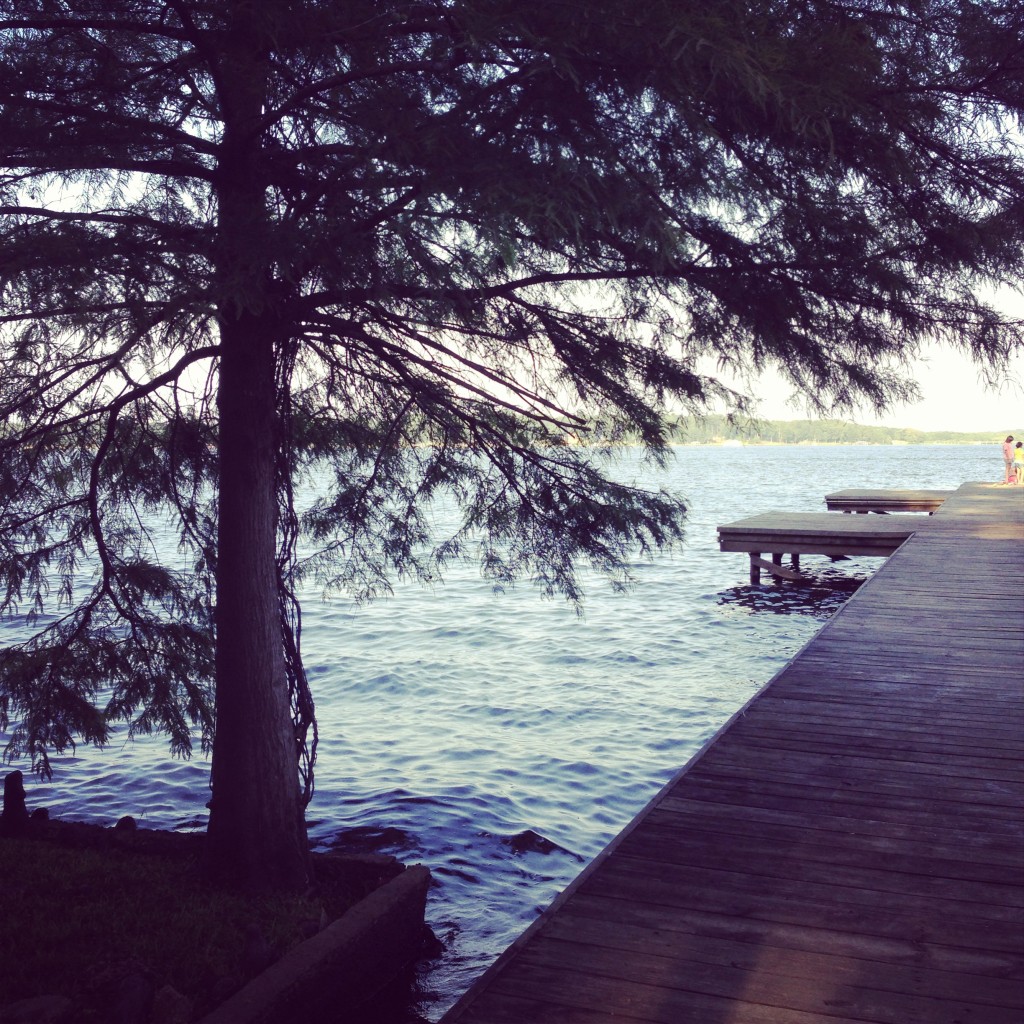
(796, 560)
(755, 569)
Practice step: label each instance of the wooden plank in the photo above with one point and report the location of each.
(785, 991)
(845, 656)
(972, 685)
(598, 923)
(877, 836)
(850, 804)
(640, 882)
(875, 951)
(881, 668)
(943, 711)
(894, 757)
(993, 629)
(951, 721)
(913, 745)
(858, 769)
(953, 787)
(798, 701)
(789, 543)
(588, 999)
(808, 865)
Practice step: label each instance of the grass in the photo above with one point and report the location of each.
(77, 918)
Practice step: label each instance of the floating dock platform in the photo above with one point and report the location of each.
(863, 500)
(812, 533)
(849, 848)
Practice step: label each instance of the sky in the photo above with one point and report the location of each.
(954, 397)
(954, 393)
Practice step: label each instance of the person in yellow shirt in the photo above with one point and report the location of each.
(1018, 463)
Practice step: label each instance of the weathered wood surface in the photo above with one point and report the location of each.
(864, 499)
(849, 848)
(821, 533)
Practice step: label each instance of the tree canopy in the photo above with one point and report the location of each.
(421, 246)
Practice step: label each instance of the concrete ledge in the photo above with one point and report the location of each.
(343, 966)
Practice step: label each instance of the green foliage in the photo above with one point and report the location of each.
(531, 505)
(122, 638)
(471, 231)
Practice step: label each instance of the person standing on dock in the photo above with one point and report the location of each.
(1018, 463)
(1008, 459)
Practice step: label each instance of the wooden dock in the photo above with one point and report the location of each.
(850, 848)
(812, 533)
(864, 500)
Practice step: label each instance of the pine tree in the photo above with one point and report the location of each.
(419, 248)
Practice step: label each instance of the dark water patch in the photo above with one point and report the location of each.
(364, 840)
(820, 595)
(529, 841)
(452, 870)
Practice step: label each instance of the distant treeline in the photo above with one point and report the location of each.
(712, 429)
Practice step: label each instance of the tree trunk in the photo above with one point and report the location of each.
(256, 834)
(256, 837)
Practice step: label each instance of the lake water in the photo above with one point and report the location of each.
(502, 740)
